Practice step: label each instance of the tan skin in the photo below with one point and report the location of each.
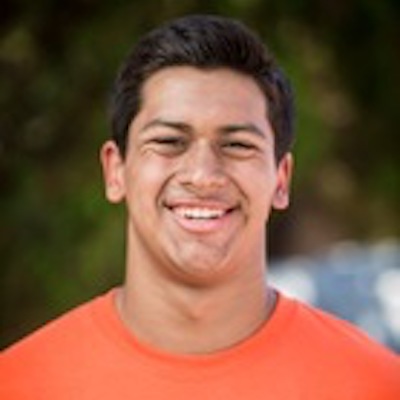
(199, 180)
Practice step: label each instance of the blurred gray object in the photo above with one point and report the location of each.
(358, 283)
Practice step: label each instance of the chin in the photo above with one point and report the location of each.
(200, 272)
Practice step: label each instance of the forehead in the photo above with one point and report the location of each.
(191, 92)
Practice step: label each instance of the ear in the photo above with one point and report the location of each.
(280, 200)
(113, 172)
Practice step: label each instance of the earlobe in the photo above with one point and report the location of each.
(281, 199)
(281, 196)
(113, 172)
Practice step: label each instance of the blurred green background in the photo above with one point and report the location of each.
(61, 243)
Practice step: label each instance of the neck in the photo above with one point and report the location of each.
(194, 320)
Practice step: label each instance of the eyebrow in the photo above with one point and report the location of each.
(186, 128)
(247, 127)
(176, 125)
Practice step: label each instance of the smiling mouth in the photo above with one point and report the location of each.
(200, 213)
(201, 218)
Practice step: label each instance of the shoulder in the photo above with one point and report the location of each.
(334, 330)
(337, 346)
(51, 356)
(54, 340)
(61, 356)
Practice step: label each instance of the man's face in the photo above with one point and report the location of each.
(199, 177)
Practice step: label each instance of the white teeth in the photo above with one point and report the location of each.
(199, 213)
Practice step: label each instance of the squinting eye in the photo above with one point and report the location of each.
(238, 149)
(170, 141)
(168, 145)
(238, 146)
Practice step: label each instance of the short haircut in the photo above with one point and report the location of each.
(206, 42)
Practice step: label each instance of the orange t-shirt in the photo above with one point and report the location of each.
(300, 353)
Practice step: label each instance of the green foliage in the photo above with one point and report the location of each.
(61, 243)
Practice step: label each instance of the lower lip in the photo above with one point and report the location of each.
(202, 225)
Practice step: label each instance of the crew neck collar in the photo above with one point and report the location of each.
(267, 338)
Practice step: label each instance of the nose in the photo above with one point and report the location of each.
(202, 169)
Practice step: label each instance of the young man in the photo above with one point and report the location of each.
(200, 154)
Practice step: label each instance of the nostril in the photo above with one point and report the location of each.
(203, 179)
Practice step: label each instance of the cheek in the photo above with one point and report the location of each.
(259, 187)
(258, 179)
(145, 179)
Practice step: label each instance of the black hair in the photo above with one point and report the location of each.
(205, 42)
